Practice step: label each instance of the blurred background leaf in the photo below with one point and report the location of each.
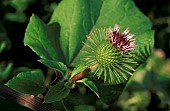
(148, 89)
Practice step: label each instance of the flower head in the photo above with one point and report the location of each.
(122, 41)
(106, 58)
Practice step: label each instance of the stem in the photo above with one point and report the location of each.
(80, 75)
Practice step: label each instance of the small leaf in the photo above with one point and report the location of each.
(79, 68)
(55, 65)
(90, 84)
(36, 37)
(30, 82)
(56, 93)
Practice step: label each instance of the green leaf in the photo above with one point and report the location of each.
(36, 37)
(76, 18)
(55, 65)
(30, 82)
(56, 93)
(79, 68)
(90, 84)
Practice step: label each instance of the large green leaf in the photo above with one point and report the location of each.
(36, 37)
(56, 93)
(30, 82)
(76, 18)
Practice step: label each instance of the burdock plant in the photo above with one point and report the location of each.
(92, 43)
